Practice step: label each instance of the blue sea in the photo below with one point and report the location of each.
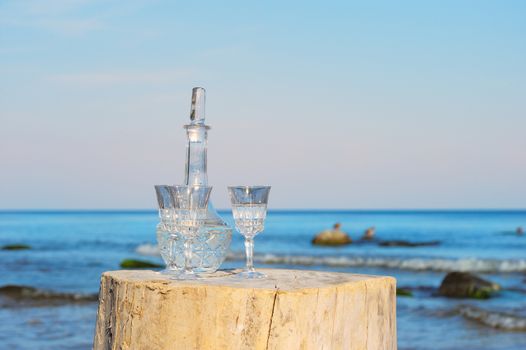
(70, 250)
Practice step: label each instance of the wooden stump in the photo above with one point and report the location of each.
(289, 310)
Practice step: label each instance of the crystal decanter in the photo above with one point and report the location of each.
(212, 243)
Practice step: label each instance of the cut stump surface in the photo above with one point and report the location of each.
(291, 309)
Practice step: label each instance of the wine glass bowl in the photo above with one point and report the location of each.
(249, 209)
(249, 218)
(165, 229)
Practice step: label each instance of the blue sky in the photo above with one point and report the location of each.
(336, 104)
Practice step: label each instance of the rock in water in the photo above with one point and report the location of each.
(16, 247)
(466, 285)
(334, 237)
(399, 243)
(17, 296)
(369, 233)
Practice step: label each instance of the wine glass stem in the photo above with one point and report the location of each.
(188, 256)
(171, 264)
(249, 250)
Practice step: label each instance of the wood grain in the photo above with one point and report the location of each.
(291, 309)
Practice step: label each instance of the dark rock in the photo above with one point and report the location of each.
(138, 264)
(14, 291)
(397, 243)
(466, 285)
(369, 233)
(334, 237)
(15, 247)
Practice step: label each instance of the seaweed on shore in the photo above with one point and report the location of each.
(138, 264)
(403, 292)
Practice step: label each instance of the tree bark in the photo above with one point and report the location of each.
(290, 309)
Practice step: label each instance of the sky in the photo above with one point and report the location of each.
(335, 104)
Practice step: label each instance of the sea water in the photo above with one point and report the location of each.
(71, 249)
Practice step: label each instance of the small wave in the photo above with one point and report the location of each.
(416, 264)
(493, 319)
(148, 249)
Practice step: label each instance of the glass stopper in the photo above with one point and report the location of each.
(197, 111)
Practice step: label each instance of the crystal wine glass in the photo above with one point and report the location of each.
(190, 209)
(249, 208)
(165, 228)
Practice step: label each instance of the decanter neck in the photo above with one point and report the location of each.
(196, 168)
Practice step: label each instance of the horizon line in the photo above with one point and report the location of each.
(328, 210)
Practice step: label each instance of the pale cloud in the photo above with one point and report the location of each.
(68, 17)
(60, 16)
(63, 26)
(54, 7)
(73, 26)
(112, 78)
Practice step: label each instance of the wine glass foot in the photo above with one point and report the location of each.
(185, 276)
(169, 272)
(250, 275)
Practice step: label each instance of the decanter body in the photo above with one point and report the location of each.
(212, 243)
